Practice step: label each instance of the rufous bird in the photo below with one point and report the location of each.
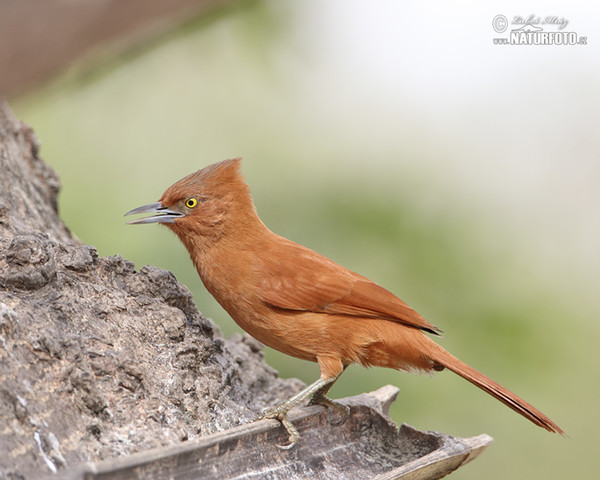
(297, 301)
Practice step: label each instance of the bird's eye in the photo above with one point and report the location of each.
(191, 202)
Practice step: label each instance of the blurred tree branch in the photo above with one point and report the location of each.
(39, 38)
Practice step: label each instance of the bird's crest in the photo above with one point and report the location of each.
(216, 180)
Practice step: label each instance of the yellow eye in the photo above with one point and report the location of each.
(191, 202)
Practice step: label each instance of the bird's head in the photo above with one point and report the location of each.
(204, 203)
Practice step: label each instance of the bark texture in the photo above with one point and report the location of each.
(98, 360)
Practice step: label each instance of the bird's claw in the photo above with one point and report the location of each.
(286, 447)
(279, 412)
(342, 409)
(272, 413)
(294, 436)
(318, 391)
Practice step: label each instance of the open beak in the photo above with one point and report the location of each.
(162, 214)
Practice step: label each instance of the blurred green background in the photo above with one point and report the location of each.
(399, 141)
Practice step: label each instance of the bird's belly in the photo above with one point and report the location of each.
(289, 334)
(368, 341)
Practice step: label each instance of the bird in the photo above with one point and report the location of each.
(297, 301)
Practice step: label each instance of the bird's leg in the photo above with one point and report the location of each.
(280, 411)
(320, 398)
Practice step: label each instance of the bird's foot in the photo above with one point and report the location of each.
(343, 410)
(280, 412)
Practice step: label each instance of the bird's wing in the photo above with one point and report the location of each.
(294, 277)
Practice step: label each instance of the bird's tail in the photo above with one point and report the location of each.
(449, 361)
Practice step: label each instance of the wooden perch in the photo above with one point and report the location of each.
(366, 446)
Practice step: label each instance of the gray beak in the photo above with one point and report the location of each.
(163, 214)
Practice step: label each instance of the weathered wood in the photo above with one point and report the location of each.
(365, 446)
(97, 359)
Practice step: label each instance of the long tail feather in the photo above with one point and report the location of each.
(496, 390)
